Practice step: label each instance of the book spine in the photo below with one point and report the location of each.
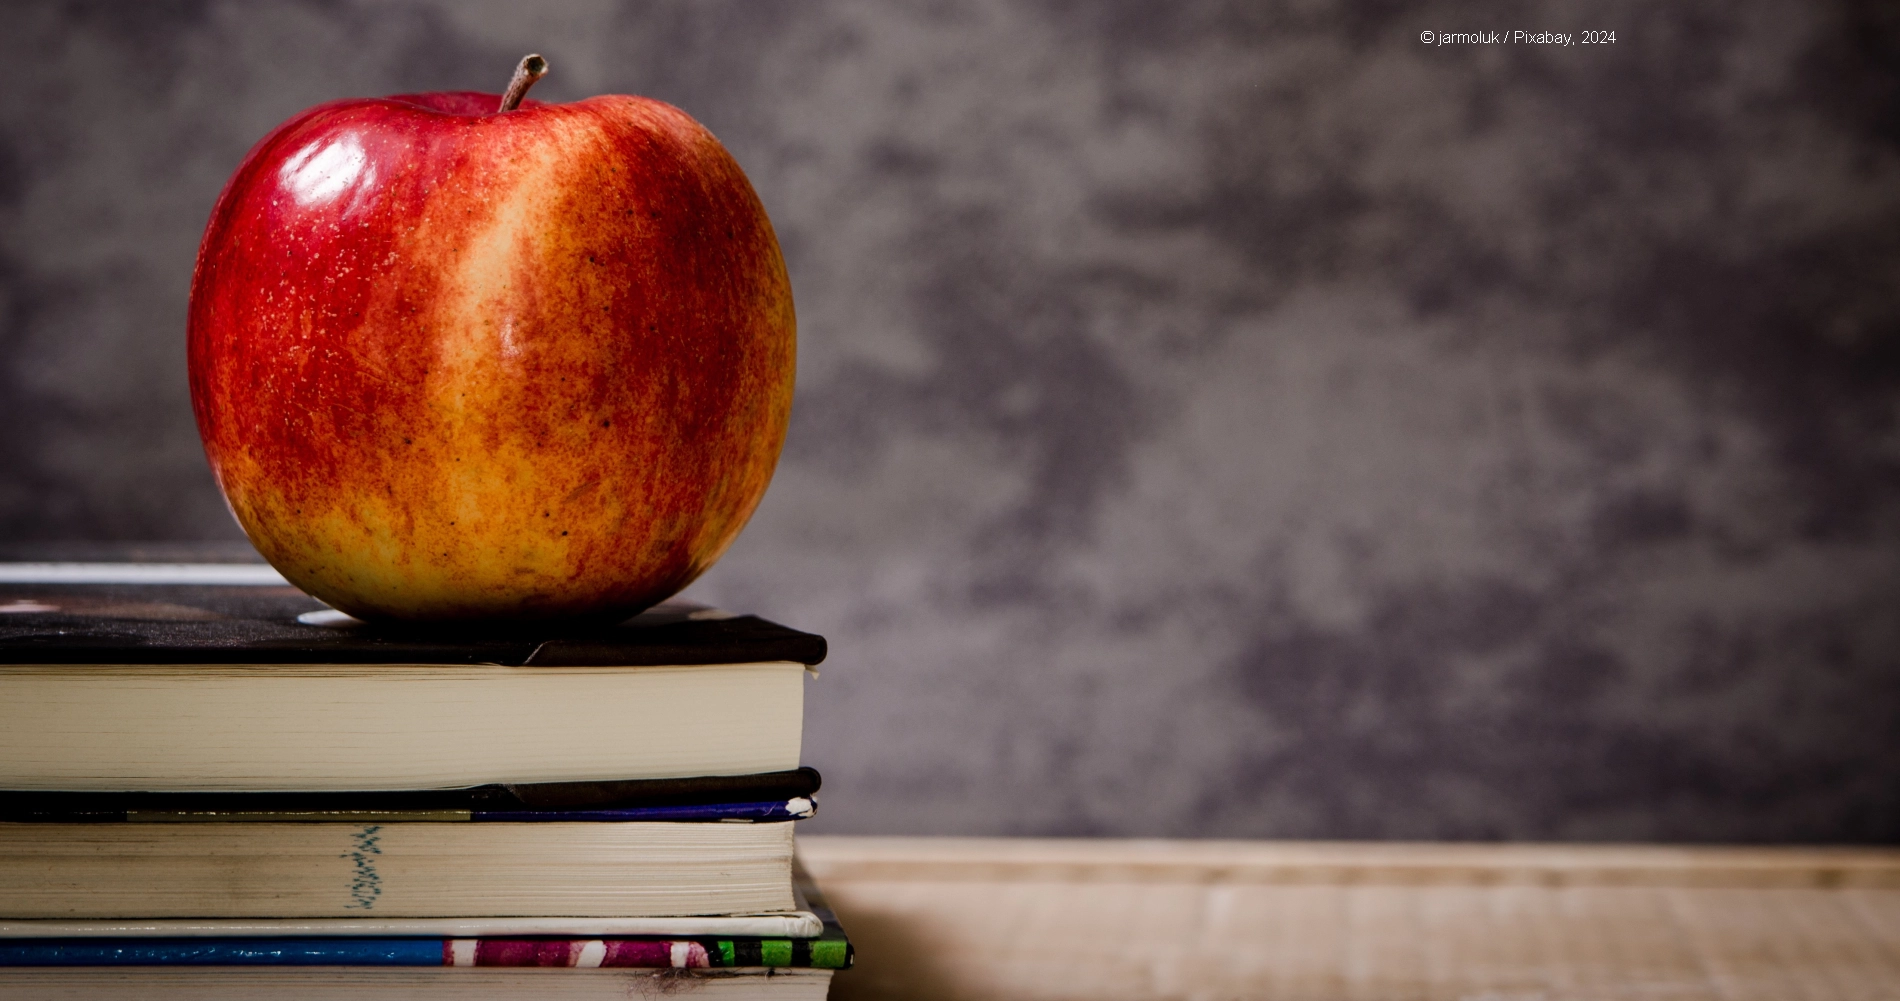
(825, 953)
(222, 952)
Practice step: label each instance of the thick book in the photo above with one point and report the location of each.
(176, 688)
(397, 870)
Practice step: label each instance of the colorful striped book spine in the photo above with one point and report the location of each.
(830, 951)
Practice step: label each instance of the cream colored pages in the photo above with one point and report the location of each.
(77, 871)
(778, 924)
(408, 984)
(384, 726)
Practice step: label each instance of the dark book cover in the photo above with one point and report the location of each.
(786, 795)
(52, 622)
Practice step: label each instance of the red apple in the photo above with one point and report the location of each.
(453, 362)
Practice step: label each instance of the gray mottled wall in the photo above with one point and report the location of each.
(1213, 419)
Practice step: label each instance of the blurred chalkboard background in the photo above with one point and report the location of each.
(1234, 419)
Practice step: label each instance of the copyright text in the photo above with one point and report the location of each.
(1517, 37)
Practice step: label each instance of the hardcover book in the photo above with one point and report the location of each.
(219, 688)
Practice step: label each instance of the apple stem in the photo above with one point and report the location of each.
(531, 68)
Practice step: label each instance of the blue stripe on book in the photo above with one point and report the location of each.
(222, 952)
(793, 809)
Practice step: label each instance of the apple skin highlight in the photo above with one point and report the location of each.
(455, 364)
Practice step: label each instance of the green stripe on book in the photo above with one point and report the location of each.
(829, 953)
(725, 954)
(775, 952)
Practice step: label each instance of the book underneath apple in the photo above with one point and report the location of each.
(460, 356)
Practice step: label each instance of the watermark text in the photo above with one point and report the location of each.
(1517, 37)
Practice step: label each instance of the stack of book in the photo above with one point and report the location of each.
(224, 790)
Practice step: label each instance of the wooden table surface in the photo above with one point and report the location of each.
(1047, 918)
